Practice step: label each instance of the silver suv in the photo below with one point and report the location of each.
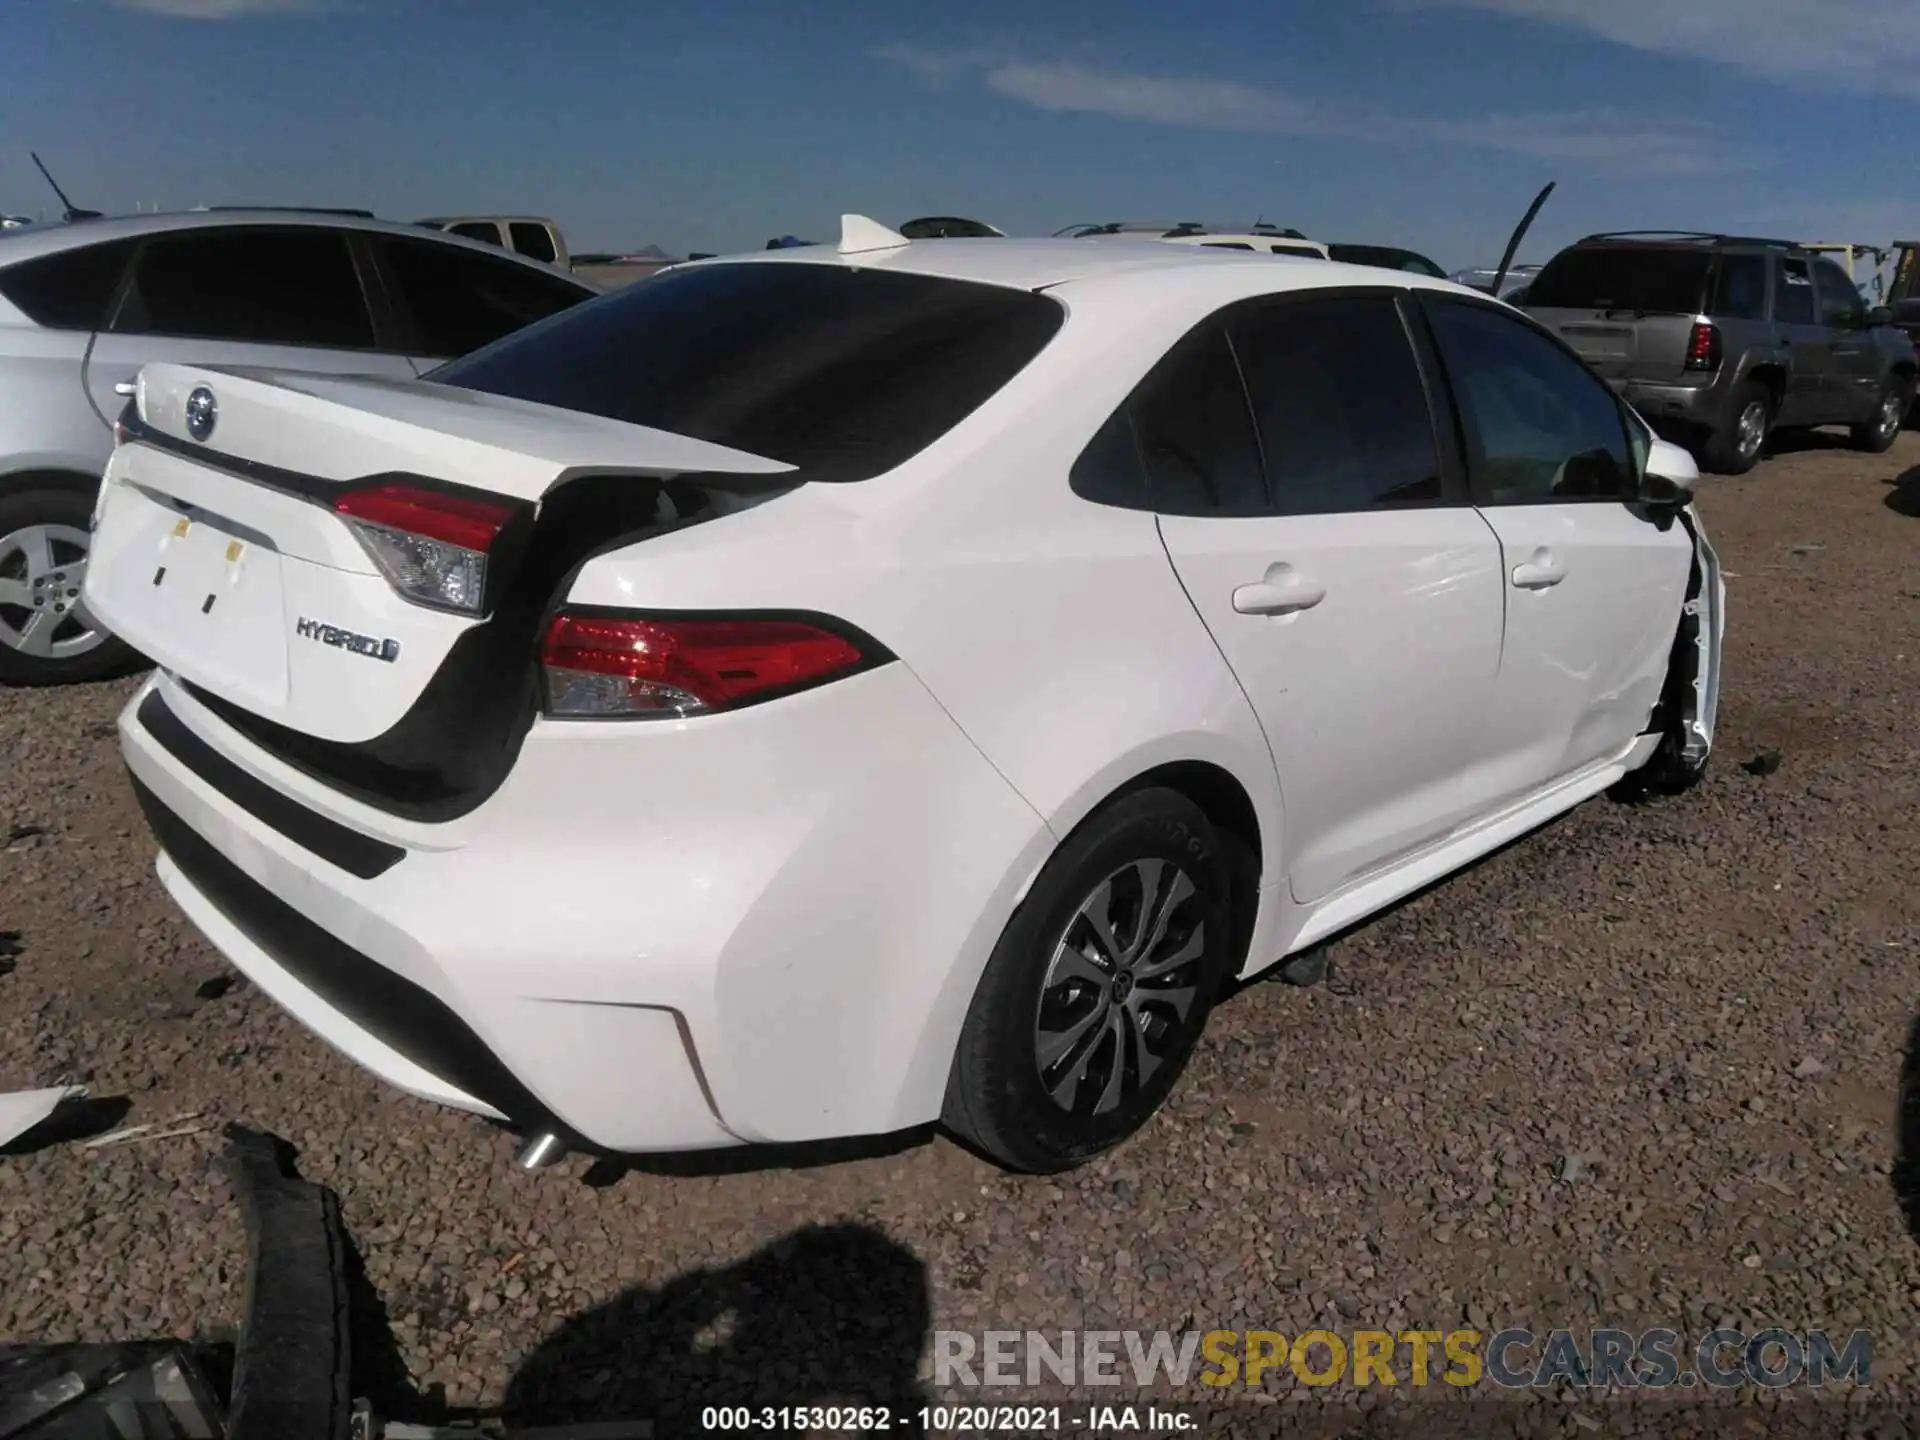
(84, 305)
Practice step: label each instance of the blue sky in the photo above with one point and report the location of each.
(1427, 123)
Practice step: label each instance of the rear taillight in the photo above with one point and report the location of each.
(430, 544)
(656, 666)
(1703, 347)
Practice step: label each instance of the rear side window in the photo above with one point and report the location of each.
(259, 286)
(1540, 427)
(483, 230)
(1340, 405)
(533, 241)
(458, 301)
(844, 373)
(1840, 303)
(1228, 245)
(1793, 302)
(1740, 291)
(70, 290)
(1196, 434)
(1607, 277)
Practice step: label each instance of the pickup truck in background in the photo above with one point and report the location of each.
(538, 238)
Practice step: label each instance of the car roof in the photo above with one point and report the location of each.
(50, 239)
(1043, 264)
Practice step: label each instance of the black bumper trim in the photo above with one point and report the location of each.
(357, 854)
(394, 1010)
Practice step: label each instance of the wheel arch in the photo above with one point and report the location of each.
(1771, 374)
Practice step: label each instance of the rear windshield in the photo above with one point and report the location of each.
(1621, 278)
(844, 373)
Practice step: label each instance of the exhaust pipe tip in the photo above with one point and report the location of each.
(541, 1151)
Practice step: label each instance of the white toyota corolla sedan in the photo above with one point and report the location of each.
(828, 691)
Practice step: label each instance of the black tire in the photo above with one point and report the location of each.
(1732, 449)
(996, 1097)
(1876, 434)
(59, 510)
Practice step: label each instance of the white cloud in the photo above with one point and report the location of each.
(1862, 45)
(222, 9)
(1597, 137)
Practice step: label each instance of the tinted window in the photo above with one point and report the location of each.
(1740, 292)
(1539, 427)
(533, 241)
(476, 230)
(1386, 258)
(842, 372)
(1227, 245)
(1616, 277)
(1195, 432)
(1108, 471)
(1793, 300)
(71, 290)
(459, 301)
(274, 287)
(1337, 395)
(1840, 303)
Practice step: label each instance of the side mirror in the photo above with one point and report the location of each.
(1670, 477)
(1879, 315)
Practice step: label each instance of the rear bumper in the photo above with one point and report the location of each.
(1694, 407)
(656, 937)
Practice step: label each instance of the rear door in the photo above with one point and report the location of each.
(449, 300)
(1593, 588)
(1627, 310)
(285, 297)
(1350, 586)
(1853, 367)
(1797, 327)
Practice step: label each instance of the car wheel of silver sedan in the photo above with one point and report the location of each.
(47, 635)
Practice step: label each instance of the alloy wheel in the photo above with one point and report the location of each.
(1893, 411)
(1752, 428)
(1121, 988)
(42, 614)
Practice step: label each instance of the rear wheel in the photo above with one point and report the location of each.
(47, 635)
(1099, 988)
(1877, 434)
(1735, 447)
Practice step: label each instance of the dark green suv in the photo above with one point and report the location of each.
(1719, 340)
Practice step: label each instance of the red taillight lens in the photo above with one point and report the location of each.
(431, 545)
(1703, 348)
(634, 666)
(467, 521)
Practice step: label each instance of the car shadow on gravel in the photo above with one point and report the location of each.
(828, 1315)
(1906, 1140)
(610, 1170)
(1903, 495)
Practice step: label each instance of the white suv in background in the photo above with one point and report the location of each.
(85, 304)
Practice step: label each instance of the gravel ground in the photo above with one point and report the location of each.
(1641, 1069)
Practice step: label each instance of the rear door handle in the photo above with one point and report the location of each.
(125, 387)
(1281, 591)
(1541, 572)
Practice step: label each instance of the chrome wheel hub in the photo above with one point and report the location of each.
(1753, 428)
(1120, 989)
(42, 571)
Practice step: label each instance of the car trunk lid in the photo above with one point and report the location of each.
(220, 550)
